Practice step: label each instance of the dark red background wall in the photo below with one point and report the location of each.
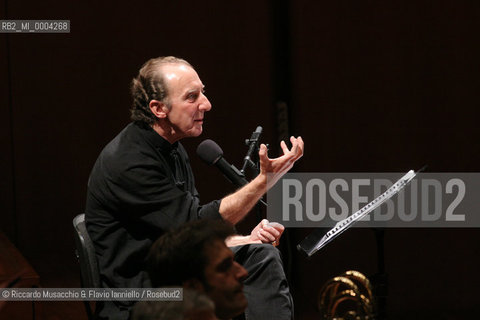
(372, 86)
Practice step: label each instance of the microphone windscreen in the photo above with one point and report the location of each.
(209, 151)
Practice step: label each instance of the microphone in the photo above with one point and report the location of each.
(210, 152)
(252, 146)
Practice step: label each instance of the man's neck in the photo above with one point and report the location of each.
(165, 131)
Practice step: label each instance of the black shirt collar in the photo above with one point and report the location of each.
(155, 139)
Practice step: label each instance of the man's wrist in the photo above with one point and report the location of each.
(238, 240)
(261, 182)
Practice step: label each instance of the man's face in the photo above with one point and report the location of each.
(224, 281)
(186, 100)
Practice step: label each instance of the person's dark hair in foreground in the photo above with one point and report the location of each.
(195, 256)
(194, 306)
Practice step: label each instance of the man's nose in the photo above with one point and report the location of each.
(205, 104)
(241, 273)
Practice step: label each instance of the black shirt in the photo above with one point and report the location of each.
(140, 186)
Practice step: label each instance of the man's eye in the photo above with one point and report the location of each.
(192, 96)
(225, 266)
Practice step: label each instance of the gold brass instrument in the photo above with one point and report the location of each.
(347, 297)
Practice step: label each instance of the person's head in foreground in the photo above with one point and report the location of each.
(195, 256)
(194, 306)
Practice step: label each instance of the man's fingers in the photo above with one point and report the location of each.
(299, 149)
(274, 232)
(267, 235)
(261, 237)
(263, 150)
(279, 227)
(263, 153)
(284, 147)
(294, 142)
(292, 139)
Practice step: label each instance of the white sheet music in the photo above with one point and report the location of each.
(349, 221)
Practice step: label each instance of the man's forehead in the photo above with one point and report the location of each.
(217, 251)
(181, 76)
(175, 70)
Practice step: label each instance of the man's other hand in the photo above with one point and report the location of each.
(267, 232)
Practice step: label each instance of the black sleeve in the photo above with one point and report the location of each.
(142, 188)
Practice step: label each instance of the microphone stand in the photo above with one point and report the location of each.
(252, 152)
(252, 160)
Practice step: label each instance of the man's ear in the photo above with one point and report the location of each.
(194, 284)
(159, 109)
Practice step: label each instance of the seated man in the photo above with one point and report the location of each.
(142, 185)
(196, 257)
(194, 306)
